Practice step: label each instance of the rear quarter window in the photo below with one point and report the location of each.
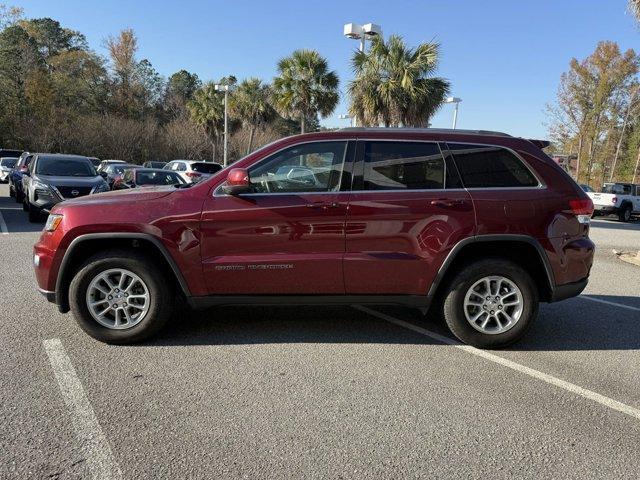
(486, 166)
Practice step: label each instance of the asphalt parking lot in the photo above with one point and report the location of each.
(292, 392)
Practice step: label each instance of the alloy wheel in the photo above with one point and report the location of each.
(118, 299)
(493, 305)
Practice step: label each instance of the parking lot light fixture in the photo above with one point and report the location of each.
(355, 31)
(226, 89)
(456, 101)
(344, 116)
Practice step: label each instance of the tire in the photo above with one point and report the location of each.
(12, 193)
(624, 215)
(473, 275)
(25, 203)
(155, 279)
(18, 196)
(35, 215)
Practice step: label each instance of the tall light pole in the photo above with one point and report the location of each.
(361, 32)
(225, 89)
(457, 101)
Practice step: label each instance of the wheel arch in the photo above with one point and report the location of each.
(520, 248)
(86, 245)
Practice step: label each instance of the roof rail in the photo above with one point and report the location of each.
(426, 130)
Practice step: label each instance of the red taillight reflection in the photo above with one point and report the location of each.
(193, 174)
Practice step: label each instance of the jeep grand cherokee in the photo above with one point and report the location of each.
(475, 226)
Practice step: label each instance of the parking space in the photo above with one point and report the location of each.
(284, 392)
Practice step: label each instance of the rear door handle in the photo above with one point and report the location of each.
(446, 203)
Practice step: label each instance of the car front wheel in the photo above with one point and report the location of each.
(121, 297)
(490, 303)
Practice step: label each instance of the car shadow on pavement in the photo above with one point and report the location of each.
(576, 324)
(15, 218)
(613, 224)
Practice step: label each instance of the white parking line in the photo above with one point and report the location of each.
(94, 445)
(583, 392)
(607, 302)
(3, 225)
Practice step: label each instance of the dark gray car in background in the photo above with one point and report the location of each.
(53, 178)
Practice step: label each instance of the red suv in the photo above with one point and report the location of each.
(476, 226)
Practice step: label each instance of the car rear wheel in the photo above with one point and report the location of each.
(491, 303)
(121, 297)
(624, 215)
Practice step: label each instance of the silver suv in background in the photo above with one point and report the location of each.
(53, 178)
(193, 171)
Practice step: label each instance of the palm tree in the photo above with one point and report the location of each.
(305, 87)
(250, 103)
(207, 110)
(634, 8)
(394, 86)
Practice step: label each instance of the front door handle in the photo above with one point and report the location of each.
(322, 205)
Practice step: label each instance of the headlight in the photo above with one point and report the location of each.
(53, 220)
(40, 186)
(103, 187)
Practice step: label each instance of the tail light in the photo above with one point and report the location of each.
(193, 174)
(582, 208)
(614, 200)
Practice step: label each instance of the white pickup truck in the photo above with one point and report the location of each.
(621, 199)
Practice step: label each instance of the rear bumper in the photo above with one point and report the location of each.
(606, 209)
(568, 290)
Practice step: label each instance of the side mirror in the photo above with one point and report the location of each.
(103, 175)
(237, 182)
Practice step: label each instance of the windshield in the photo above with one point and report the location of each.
(158, 178)
(119, 168)
(617, 188)
(65, 167)
(8, 162)
(203, 167)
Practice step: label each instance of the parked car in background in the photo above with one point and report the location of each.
(154, 164)
(114, 171)
(5, 152)
(480, 226)
(193, 171)
(105, 163)
(620, 199)
(15, 176)
(586, 188)
(53, 178)
(95, 161)
(147, 177)
(6, 165)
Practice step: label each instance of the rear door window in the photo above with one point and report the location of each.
(486, 166)
(403, 166)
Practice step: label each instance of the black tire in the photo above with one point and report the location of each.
(18, 196)
(25, 203)
(624, 214)
(161, 296)
(12, 193)
(454, 296)
(35, 215)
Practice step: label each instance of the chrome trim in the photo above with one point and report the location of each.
(518, 156)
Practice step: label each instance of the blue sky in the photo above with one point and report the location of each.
(503, 57)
